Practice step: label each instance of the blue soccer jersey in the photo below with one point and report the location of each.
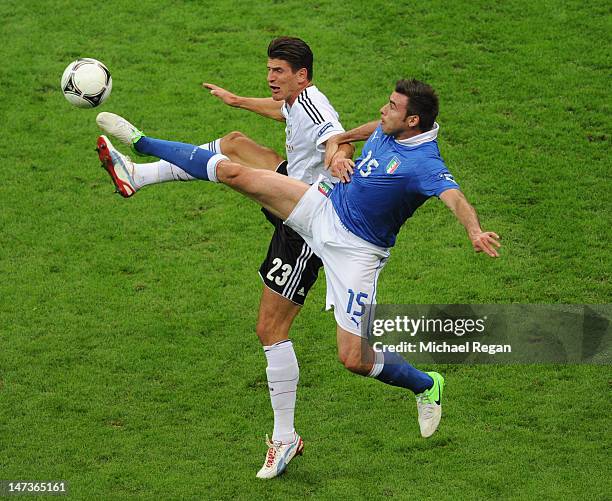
(392, 179)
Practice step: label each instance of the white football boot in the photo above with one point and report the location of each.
(119, 127)
(279, 455)
(429, 406)
(119, 167)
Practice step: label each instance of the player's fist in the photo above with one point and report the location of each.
(486, 241)
(226, 96)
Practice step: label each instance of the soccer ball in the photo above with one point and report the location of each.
(86, 83)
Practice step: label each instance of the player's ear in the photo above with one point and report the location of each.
(413, 120)
(302, 75)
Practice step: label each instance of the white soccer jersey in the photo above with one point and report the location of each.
(310, 121)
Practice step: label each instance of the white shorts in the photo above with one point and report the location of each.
(351, 264)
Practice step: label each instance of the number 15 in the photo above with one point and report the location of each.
(359, 299)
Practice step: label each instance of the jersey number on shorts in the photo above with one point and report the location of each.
(285, 271)
(357, 298)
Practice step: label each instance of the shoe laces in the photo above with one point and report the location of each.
(273, 448)
(130, 165)
(425, 398)
(127, 162)
(427, 411)
(426, 404)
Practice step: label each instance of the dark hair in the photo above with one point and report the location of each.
(293, 50)
(422, 101)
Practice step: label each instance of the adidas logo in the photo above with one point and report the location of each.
(300, 292)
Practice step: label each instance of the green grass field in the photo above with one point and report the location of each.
(129, 364)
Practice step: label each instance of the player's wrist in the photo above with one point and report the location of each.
(474, 233)
(236, 101)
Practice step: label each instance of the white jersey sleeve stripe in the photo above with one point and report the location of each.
(314, 108)
(308, 110)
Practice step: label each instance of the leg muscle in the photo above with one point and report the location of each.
(277, 193)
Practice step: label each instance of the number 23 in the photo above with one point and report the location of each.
(286, 270)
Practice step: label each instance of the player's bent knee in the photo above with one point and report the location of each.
(356, 367)
(229, 142)
(353, 362)
(233, 136)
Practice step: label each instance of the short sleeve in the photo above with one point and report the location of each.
(436, 180)
(327, 130)
(324, 118)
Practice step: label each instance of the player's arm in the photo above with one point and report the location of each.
(482, 241)
(360, 133)
(265, 106)
(342, 163)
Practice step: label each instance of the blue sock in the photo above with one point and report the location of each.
(397, 372)
(192, 159)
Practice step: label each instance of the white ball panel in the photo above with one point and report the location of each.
(90, 78)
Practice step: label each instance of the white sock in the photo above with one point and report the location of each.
(163, 171)
(378, 364)
(283, 376)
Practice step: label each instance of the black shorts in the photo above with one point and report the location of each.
(290, 268)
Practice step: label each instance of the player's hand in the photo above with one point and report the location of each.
(486, 241)
(331, 147)
(226, 96)
(342, 168)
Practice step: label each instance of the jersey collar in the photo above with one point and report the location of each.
(425, 137)
(288, 107)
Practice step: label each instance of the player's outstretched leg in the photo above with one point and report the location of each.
(391, 368)
(181, 154)
(136, 175)
(237, 146)
(277, 193)
(123, 173)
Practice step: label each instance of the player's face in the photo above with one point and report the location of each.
(393, 117)
(284, 83)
